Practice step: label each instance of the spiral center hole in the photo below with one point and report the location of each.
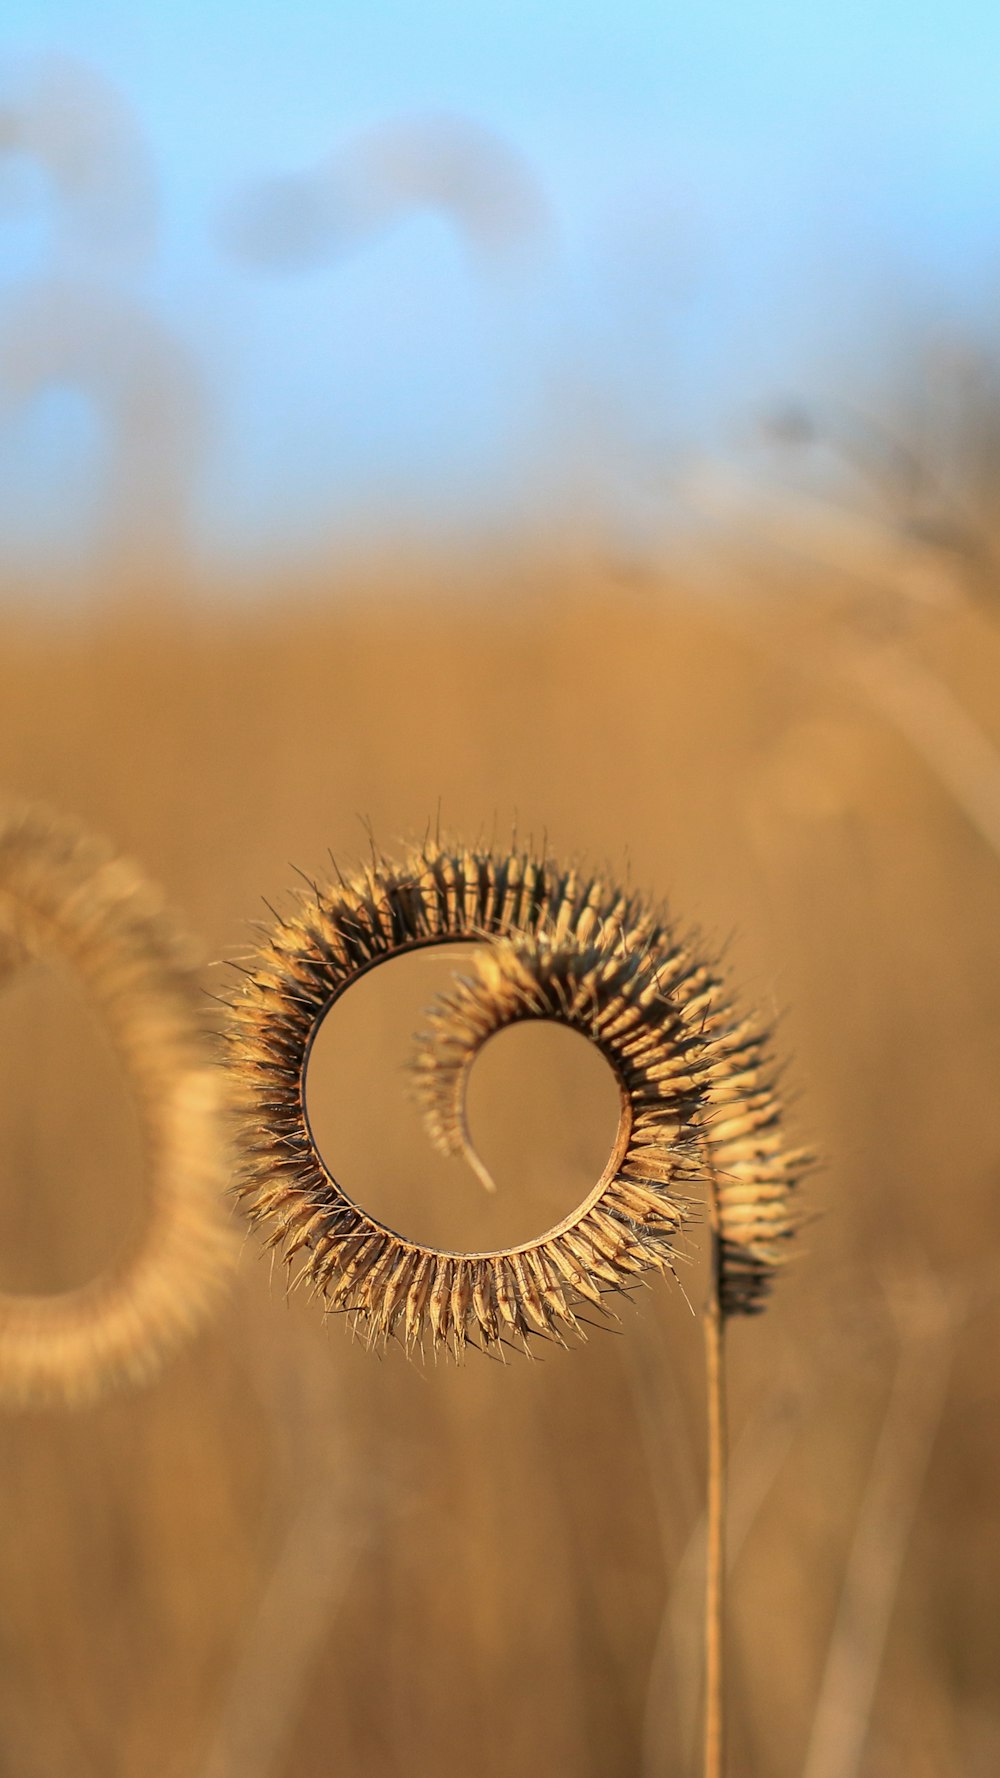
(71, 1176)
(543, 1111)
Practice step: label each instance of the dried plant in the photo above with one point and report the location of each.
(750, 1171)
(699, 1112)
(67, 899)
(603, 969)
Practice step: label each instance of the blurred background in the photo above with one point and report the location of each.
(588, 419)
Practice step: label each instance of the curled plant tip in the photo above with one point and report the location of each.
(716, 1062)
(608, 992)
(555, 944)
(65, 898)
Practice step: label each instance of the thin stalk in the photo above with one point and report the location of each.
(715, 1567)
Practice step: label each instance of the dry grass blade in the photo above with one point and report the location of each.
(66, 898)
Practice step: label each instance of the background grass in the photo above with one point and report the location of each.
(292, 1558)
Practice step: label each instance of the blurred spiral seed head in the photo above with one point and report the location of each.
(73, 124)
(68, 900)
(145, 388)
(296, 222)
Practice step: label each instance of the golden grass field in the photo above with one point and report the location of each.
(289, 1558)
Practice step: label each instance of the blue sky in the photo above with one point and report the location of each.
(744, 201)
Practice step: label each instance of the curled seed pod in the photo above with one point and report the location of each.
(66, 898)
(554, 945)
(712, 1067)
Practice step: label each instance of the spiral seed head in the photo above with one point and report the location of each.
(552, 943)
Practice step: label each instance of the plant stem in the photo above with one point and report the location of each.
(715, 1384)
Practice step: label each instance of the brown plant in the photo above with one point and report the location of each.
(697, 1099)
(67, 899)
